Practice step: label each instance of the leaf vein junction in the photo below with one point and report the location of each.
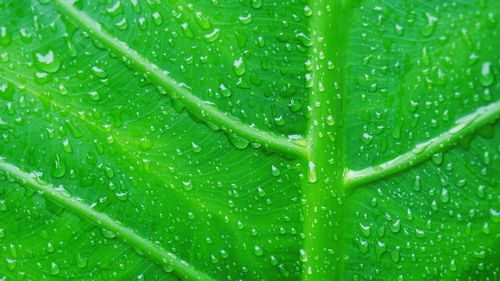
(181, 91)
(423, 151)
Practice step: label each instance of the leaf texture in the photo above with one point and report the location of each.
(249, 140)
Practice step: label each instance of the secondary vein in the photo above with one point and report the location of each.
(180, 91)
(423, 151)
(57, 194)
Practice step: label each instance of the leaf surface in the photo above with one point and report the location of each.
(249, 140)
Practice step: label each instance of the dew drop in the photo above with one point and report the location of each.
(212, 36)
(202, 21)
(58, 169)
(487, 77)
(196, 148)
(94, 96)
(312, 176)
(187, 185)
(257, 250)
(256, 4)
(417, 186)
(47, 61)
(108, 233)
(238, 142)
(99, 72)
(81, 261)
(275, 171)
(54, 268)
(428, 29)
(224, 91)
(5, 37)
(395, 226)
(239, 67)
(445, 197)
(157, 20)
(186, 29)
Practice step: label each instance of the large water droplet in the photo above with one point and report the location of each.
(47, 62)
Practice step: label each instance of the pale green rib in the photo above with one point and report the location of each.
(57, 194)
(180, 91)
(423, 151)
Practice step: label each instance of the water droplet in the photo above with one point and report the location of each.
(399, 29)
(212, 36)
(261, 192)
(256, 4)
(257, 250)
(99, 72)
(445, 197)
(303, 255)
(312, 176)
(363, 246)
(47, 61)
(395, 226)
(307, 11)
(50, 247)
(202, 21)
(238, 142)
(195, 147)
(428, 29)
(495, 215)
(186, 29)
(426, 58)
(275, 171)
(187, 185)
(157, 20)
(246, 19)
(11, 263)
(94, 96)
(58, 169)
(108, 233)
(6, 90)
(487, 77)
(239, 67)
(115, 9)
(417, 186)
(121, 24)
(54, 268)
(224, 90)
(3, 205)
(81, 261)
(5, 37)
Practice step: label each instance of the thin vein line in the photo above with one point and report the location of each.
(180, 91)
(76, 205)
(423, 151)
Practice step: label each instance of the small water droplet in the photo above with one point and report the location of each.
(195, 147)
(54, 268)
(47, 62)
(487, 77)
(239, 67)
(212, 36)
(58, 169)
(275, 171)
(5, 37)
(257, 250)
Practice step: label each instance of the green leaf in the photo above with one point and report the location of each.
(249, 140)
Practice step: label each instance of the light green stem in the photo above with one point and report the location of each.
(323, 194)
